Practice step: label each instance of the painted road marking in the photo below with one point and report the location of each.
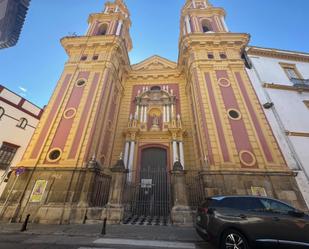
(148, 243)
(95, 248)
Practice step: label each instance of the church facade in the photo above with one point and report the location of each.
(111, 127)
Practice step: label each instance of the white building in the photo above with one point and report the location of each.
(18, 119)
(281, 81)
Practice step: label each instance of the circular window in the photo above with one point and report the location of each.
(247, 158)
(69, 113)
(54, 155)
(234, 114)
(80, 82)
(224, 82)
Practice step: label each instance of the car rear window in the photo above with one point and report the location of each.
(242, 203)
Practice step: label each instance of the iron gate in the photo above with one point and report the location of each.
(148, 200)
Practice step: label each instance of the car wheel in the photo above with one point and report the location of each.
(232, 239)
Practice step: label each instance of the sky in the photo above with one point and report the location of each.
(33, 67)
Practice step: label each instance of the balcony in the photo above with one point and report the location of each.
(301, 83)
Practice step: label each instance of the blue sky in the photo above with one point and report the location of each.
(33, 67)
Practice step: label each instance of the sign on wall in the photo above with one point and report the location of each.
(38, 191)
(146, 183)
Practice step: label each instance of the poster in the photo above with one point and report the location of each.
(258, 191)
(38, 191)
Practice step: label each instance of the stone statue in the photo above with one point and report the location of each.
(155, 121)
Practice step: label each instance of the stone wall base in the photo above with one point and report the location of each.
(114, 214)
(66, 199)
(278, 185)
(182, 216)
(57, 214)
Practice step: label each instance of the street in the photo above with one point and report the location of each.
(29, 241)
(40, 236)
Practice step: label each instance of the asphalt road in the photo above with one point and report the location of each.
(30, 241)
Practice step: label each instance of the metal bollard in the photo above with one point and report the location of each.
(24, 227)
(103, 232)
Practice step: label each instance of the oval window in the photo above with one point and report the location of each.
(54, 155)
(80, 82)
(234, 114)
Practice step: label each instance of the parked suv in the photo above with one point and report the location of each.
(243, 222)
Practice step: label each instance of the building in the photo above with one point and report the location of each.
(12, 17)
(281, 81)
(18, 119)
(200, 114)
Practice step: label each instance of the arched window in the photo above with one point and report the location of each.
(206, 26)
(22, 123)
(102, 29)
(1, 112)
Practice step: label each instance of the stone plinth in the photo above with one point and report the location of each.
(181, 213)
(115, 208)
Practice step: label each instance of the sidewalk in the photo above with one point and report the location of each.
(166, 233)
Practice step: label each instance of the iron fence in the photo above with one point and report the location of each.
(195, 188)
(101, 190)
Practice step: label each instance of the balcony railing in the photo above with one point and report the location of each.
(304, 83)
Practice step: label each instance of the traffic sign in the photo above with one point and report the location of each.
(20, 170)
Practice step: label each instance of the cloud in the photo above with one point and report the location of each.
(22, 89)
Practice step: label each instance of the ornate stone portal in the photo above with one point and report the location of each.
(154, 114)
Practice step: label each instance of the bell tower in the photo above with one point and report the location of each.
(75, 136)
(78, 120)
(231, 130)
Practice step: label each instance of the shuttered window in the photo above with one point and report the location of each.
(7, 153)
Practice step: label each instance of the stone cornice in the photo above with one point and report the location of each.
(90, 65)
(81, 42)
(288, 172)
(215, 39)
(223, 39)
(286, 87)
(107, 17)
(144, 75)
(204, 12)
(90, 41)
(279, 54)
